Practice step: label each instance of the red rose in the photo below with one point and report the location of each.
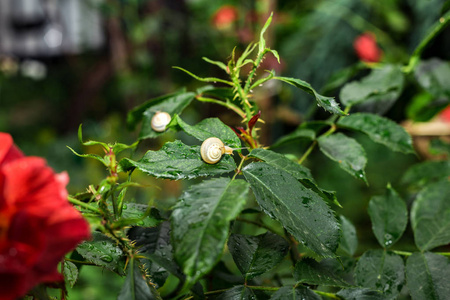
(366, 48)
(224, 17)
(38, 226)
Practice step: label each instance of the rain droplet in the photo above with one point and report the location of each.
(106, 258)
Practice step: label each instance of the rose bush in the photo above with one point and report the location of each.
(38, 226)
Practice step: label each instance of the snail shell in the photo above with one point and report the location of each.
(160, 121)
(212, 150)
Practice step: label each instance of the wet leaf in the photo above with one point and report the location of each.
(299, 133)
(172, 104)
(136, 286)
(200, 223)
(434, 76)
(104, 252)
(300, 172)
(211, 127)
(70, 273)
(300, 210)
(238, 292)
(426, 172)
(430, 216)
(154, 243)
(347, 152)
(427, 275)
(360, 294)
(176, 160)
(382, 271)
(327, 103)
(294, 293)
(380, 130)
(312, 272)
(376, 92)
(349, 239)
(140, 215)
(255, 255)
(389, 217)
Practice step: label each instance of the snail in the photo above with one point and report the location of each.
(160, 121)
(212, 150)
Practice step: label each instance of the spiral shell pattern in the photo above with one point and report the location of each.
(212, 150)
(160, 121)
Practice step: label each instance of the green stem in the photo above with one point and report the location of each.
(263, 288)
(306, 154)
(239, 167)
(329, 295)
(86, 263)
(402, 253)
(228, 105)
(253, 72)
(84, 205)
(311, 148)
(435, 30)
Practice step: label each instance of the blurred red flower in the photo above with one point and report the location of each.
(224, 17)
(38, 226)
(366, 48)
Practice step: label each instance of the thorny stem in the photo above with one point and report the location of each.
(82, 204)
(228, 105)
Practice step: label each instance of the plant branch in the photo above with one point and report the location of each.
(84, 205)
(435, 30)
(227, 104)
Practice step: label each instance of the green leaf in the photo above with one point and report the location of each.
(315, 273)
(423, 106)
(140, 215)
(255, 255)
(382, 271)
(238, 292)
(176, 160)
(104, 252)
(349, 239)
(327, 103)
(434, 76)
(376, 92)
(154, 243)
(301, 211)
(300, 172)
(136, 286)
(299, 133)
(171, 104)
(389, 217)
(70, 273)
(380, 130)
(200, 223)
(223, 93)
(360, 294)
(428, 275)
(347, 152)
(426, 172)
(211, 127)
(262, 41)
(205, 79)
(217, 63)
(294, 293)
(104, 160)
(430, 216)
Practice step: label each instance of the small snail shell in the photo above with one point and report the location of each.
(212, 150)
(160, 121)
